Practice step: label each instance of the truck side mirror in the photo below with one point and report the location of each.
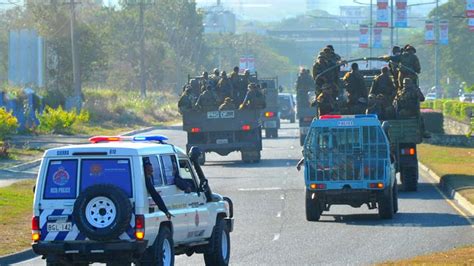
(194, 154)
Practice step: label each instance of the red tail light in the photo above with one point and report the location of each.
(140, 227)
(246, 127)
(35, 229)
(318, 186)
(408, 151)
(269, 114)
(376, 185)
(195, 130)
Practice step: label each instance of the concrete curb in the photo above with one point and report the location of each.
(451, 192)
(17, 257)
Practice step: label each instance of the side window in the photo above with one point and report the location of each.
(187, 173)
(157, 173)
(169, 168)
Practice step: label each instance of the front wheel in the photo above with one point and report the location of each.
(313, 207)
(219, 245)
(164, 248)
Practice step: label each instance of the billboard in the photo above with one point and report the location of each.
(377, 38)
(401, 14)
(382, 14)
(364, 36)
(470, 8)
(247, 63)
(443, 32)
(429, 32)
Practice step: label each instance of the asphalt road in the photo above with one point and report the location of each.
(270, 224)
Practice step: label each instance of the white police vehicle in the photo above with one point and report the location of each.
(91, 204)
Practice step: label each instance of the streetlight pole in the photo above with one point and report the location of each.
(391, 23)
(436, 54)
(142, 52)
(370, 32)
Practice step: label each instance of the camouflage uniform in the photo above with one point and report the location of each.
(207, 101)
(186, 101)
(407, 102)
(224, 87)
(227, 105)
(355, 87)
(325, 101)
(410, 66)
(383, 84)
(254, 99)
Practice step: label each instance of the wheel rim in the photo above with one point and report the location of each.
(100, 212)
(224, 245)
(166, 252)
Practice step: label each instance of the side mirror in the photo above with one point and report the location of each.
(194, 154)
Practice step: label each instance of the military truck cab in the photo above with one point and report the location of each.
(347, 162)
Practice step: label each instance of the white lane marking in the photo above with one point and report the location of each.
(282, 196)
(278, 214)
(260, 189)
(276, 237)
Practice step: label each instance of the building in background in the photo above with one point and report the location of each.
(354, 15)
(218, 20)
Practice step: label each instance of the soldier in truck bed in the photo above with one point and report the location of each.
(187, 100)
(355, 86)
(207, 101)
(227, 105)
(254, 99)
(383, 84)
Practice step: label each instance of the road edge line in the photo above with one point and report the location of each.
(451, 192)
(24, 255)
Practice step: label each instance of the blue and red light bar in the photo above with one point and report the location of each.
(98, 139)
(348, 116)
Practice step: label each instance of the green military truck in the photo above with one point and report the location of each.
(269, 116)
(224, 132)
(304, 111)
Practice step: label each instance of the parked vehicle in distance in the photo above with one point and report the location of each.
(287, 106)
(467, 98)
(431, 96)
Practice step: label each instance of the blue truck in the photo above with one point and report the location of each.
(348, 162)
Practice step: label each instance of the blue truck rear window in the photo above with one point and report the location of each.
(61, 180)
(107, 171)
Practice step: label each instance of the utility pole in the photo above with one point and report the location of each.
(370, 32)
(142, 52)
(436, 70)
(391, 23)
(75, 59)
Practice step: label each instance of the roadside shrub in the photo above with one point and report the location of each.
(59, 121)
(8, 123)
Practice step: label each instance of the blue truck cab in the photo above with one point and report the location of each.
(348, 162)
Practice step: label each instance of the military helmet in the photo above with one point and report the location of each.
(223, 73)
(247, 72)
(216, 71)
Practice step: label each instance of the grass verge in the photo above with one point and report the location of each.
(455, 166)
(458, 256)
(16, 203)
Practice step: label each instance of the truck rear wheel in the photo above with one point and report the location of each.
(313, 207)
(409, 178)
(250, 156)
(395, 197)
(386, 204)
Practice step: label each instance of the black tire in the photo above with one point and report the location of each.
(313, 207)
(275, 133)
(251, 156)
(216, 255)
(121, 220)
(386, 204)
(395, 197)
(409, 178)
(164, 235)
